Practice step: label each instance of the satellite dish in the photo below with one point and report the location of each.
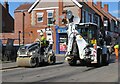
(69, 14)
(76, 20)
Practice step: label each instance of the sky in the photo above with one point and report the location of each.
(13, 4)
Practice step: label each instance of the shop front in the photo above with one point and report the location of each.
(61, 40)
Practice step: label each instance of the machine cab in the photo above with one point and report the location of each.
(89, 32)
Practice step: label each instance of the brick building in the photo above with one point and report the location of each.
(7, 22)
(32, 17)
(7, 19)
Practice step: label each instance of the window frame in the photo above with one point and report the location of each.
(50, 17)
(40, 14)
(96, 17)
(89, 17)
(83, 15)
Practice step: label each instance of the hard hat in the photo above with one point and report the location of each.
(41, 34)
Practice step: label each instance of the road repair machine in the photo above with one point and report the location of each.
(85, 43)
(30, 55)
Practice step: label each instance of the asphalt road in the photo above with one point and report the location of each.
(62, 72)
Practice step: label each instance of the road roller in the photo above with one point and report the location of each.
(32, 55)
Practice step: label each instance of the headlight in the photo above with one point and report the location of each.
(29, 53)
(18, 53)
(50, 53)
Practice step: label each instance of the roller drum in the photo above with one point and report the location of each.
(26, 61)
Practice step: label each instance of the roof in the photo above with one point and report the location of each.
(4, 9)
(25, 6)
(107, 14)
(37, 1)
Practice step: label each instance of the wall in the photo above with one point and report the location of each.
(8, 21)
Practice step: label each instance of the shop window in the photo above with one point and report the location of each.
(50, 16)
(39, 17)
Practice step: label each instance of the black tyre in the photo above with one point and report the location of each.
(72, 62)
(51, 59)
(106, 59)
(34, 62)
(37, 62)
(99, 58)
(74, 53)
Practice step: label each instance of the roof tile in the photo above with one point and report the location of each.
(24, 6)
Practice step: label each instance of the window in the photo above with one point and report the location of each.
(89, 17)
(39, 17)
(83, 16)
(96, 20)
(50, 16)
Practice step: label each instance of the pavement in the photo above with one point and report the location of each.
(10, 65)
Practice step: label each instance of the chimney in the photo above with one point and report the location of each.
(105, 8)
(6, 5)
(99, 4)
(90, 2)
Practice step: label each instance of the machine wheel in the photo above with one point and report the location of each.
(99, 58)
(106, 59)
(51, 59)
(72, 62)
(34, 62)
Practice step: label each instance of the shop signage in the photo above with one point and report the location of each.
(62, 30)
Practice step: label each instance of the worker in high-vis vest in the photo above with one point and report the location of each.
(94, 42)
(116, 48)
(42, 41)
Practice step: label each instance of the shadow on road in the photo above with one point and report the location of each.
(46, 64)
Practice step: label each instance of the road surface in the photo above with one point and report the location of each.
(62, 72)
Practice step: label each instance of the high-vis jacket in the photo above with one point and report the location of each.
(42, 40)
(116, 46)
